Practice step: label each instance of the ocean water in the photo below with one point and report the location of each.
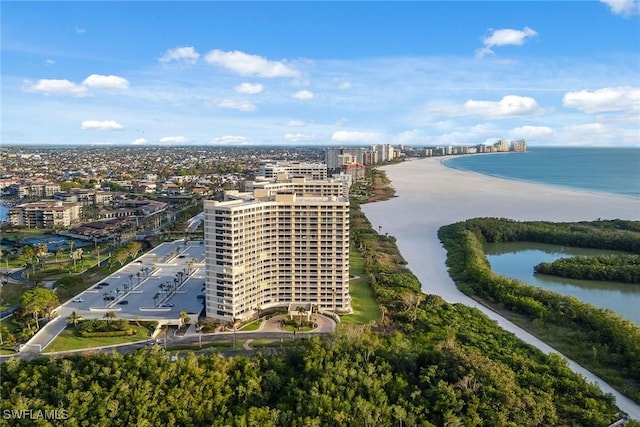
(606, 170)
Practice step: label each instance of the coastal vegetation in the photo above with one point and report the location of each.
(599, 339)
(614, 268)
(425, 362)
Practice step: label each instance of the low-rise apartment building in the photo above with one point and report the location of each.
(45, 214)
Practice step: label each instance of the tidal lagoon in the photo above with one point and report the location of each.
(430, 195)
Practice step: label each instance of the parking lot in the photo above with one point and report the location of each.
(156, 286)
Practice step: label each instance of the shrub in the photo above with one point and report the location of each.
(127, 332)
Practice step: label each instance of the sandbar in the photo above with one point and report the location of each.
(431, 195)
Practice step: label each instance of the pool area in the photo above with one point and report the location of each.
(53, 242)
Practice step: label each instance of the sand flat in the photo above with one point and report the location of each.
(431, 195)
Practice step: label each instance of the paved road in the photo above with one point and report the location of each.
(268, 330)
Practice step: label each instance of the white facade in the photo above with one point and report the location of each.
(316, 171)
(273, 250)
(45, 214)
(300, 186)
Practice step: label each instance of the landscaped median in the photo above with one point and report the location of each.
(112, 333)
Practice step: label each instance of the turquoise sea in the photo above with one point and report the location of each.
(606, 170)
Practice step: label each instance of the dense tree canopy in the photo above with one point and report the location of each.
(429, 363)
(614, 268)
(598, 338)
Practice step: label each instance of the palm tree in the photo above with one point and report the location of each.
(233, 325)
(301, 311)
(109, 315)
(29, 252)
(184, 318)
(58, 252)
(165, 329)
(74, 317)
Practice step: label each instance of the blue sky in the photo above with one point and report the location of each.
(321, 73)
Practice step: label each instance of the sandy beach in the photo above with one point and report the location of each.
(431, 195)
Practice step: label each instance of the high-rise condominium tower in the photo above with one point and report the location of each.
(275, 248)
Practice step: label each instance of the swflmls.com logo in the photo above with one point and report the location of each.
(35, 414)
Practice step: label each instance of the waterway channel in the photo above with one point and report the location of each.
(517, 259)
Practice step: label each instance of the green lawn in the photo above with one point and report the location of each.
(356, 263)
(68, 340)
(290, 328)
(363, 302)
(253, 326)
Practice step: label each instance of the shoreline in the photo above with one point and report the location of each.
(444, 159)
(431, 195)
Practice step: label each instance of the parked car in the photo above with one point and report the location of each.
(77, 300)
(125, 302)
(169, 304)
(103, 284)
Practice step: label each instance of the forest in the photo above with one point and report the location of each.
(599, 339)
(613, 268)
(426, 363)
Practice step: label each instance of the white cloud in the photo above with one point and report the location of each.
(303, 94)
(413, 136)
(229, 140)
(249, 88)
(623, 7)
(49, 62)
(343, 84)
(139, 141)
(80, 30)
(349, 136)
(182, 55)
(173, 140)
(294, 124)
(605, 99)
(602, 134)
(504, 37)
(98, 81)
(66, 87)
(528, 132)
(101, 125)
(508, 106)
(235, 105)
(250, 65)
(55, 87)
(299, 137)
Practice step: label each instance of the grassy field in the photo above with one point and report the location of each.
(363, 301)
(207, 347)
(253, 326)
(68, 340)
(356, 263)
